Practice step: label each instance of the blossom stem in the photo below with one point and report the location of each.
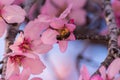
(92, 37)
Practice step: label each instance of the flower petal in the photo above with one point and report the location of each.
(114, 68)
(71, 37)
(35, 65)
(13, 14)
(49, 36)
(33, 29)
(66, 12)
(57, 23)
(96, 77)
(40, 47)
(77, 3)
(71, 27)
(78, 13)
(25, 74)
(12, 69)
(63, 45)
(36, 78)
(6, 2)
(84, 72)
(103, 72)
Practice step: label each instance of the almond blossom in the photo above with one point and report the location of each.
(27, 61)
(10, 14)
(84, 75)
(30, 40)
(60, 31)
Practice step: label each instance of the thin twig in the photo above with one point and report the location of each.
(92, 37)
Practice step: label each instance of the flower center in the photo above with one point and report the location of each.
(17, 59)
(25, 46)
(64, 34)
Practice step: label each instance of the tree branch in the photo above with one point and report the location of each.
(113, 50)
(11, 34)
(92, 37)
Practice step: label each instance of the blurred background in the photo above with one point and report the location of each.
(89, 18)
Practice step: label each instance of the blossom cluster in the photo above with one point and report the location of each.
(38, 37)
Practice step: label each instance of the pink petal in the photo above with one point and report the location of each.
(33, 29)
(49, 9)
(77, 3)
(78, 13)
(44, 18)
(15, 77)
(15, 48)
(25, 74)
(49, 36)
(71, 37)
(39, 47)
(96, 77)
(18, 2)
(66, 12)
(63, 45)
(102, 71)
(17, 42)
(59, 3)
(35, 65)
(13, 14)
(84, 72)
(3, 26)
(12, 69)
(71, 27)
(6, 2)
(57, 23)
(114, 68)
(36, 78)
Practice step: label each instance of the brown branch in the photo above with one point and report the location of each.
(113, 50)
(91, 37)
(11, 34)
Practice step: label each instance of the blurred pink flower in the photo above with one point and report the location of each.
(55, 7)
(84, 75)
(30, 41)
(28, 61)
(10, 13)
(116, 9)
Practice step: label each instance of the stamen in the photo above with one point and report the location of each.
(25, 46)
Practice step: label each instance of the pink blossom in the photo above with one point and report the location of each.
(54, 8)
(30, 41)
(60, 31)
(84, 75)
(10, 13)
(28, 61)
